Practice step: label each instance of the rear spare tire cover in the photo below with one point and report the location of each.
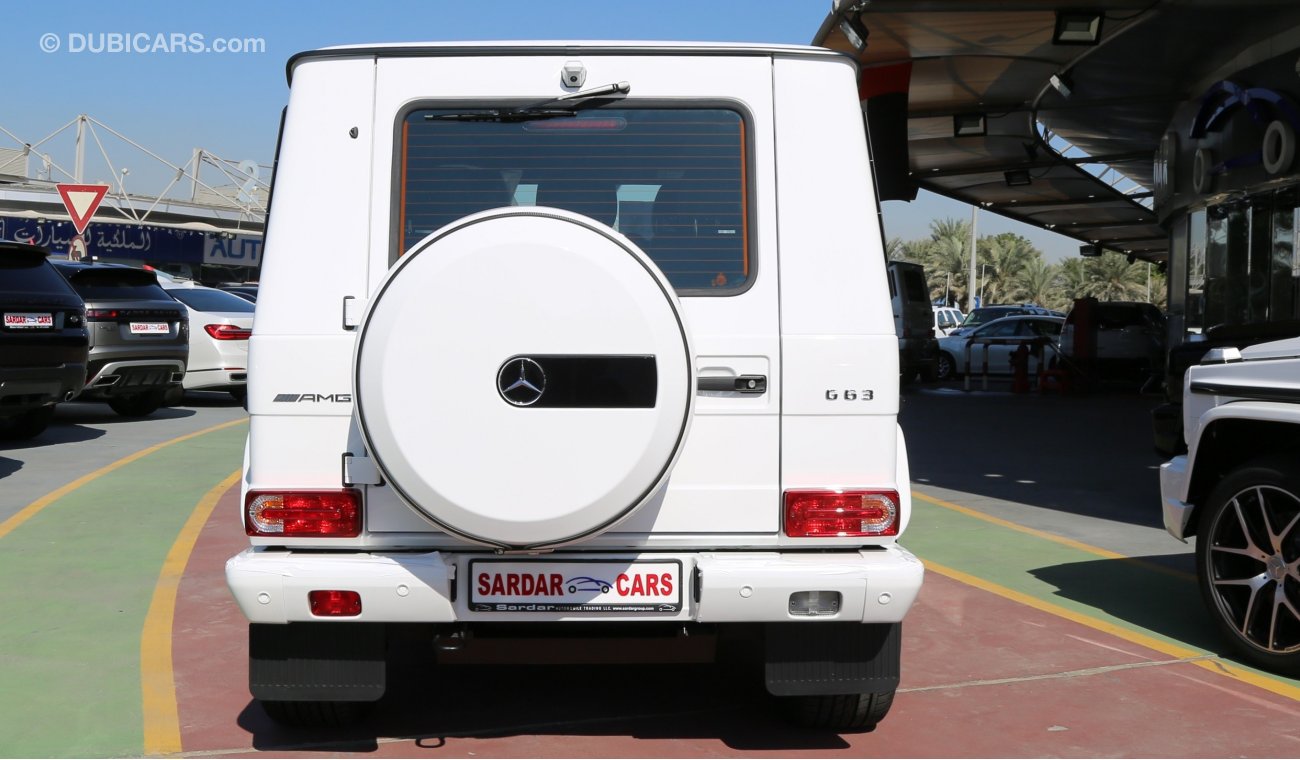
(523, 378)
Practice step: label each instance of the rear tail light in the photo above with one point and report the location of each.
(98, 315)
(228, 332)
(841, 513)
(334, 603)
(322, 514)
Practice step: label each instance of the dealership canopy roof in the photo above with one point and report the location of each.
(1021, 106)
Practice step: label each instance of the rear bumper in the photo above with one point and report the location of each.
(117, 378)
(23, 388)
(1173, 489)
(215, 379)
(875, 586)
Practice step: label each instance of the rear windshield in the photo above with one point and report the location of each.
(23, 275)
(212, 300)
(914, 285)
(671, 179)
(109, 285)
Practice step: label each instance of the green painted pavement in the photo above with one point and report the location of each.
(1133, 594)
(76, 581)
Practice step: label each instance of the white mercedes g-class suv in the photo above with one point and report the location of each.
(560, 338)
(1237, 490)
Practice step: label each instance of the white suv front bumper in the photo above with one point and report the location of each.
(875, 586)
(1173, 489)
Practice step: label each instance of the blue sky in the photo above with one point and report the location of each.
(230, 103)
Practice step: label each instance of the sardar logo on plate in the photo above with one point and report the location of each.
(521, 381)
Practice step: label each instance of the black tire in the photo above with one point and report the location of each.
(314, 714)
(239, 394)
(29, 424)
(930, 373)
(1248, 543)
(137, 404)
(841, 712)
(946, 368)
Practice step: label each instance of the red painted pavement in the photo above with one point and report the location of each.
(954, 636)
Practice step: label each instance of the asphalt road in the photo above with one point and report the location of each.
(1057, 618)
(87, 436)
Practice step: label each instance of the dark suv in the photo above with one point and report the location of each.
(139, 336)
(43, 341)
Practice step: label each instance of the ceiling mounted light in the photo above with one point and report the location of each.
(1061, 83)
(1077, 28)
(1018, 178)
(853, 30)
(969, 125)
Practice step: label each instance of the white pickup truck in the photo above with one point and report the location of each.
(1238, 491)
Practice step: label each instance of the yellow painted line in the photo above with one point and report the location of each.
(1089, 548)
(30, 511)
(162, 725)
(1213, 665)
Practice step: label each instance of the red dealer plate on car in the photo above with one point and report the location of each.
(653, 586)
(29, 320)
(150, 328)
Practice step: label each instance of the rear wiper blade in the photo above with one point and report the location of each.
(545, 109)
(512, 115)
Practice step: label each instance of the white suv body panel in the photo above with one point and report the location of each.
(827, 420)
(1241, 390)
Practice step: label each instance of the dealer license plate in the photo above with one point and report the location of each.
(150, 328)
(645, 586)
(29, 320)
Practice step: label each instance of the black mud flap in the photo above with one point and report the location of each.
(832, 658)
(329, 662)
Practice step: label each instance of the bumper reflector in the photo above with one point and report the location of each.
(334, 603)
(815, 513)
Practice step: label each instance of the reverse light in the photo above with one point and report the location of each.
(832, 513)
(304, 514)
(228, 332)
(334, 603)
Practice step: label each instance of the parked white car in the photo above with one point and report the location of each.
(578, 361)
(947, 319)
(1237, 490)
(220, 325)
(1005, 336)
(1124, 342)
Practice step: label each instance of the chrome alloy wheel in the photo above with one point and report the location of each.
(1252, 567)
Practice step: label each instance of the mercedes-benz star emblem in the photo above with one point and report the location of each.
(521, 381)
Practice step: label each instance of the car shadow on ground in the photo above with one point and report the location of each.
(91, 413)
(431, 704)
(1142, 593)
(1087, 455)
(207, 399)
(58, 432)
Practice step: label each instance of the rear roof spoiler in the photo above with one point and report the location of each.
(13, 250)
(113, 275)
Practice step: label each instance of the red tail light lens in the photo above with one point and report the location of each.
(321, 514)
(96, 315)
(334, 603)
(228, 332)
(841, 513)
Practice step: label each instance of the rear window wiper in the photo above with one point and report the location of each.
(551, 108)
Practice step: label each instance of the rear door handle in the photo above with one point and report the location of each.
(747, 384)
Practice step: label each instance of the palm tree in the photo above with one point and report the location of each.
(947, 257)
(1037, 281)
(1007, 256)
